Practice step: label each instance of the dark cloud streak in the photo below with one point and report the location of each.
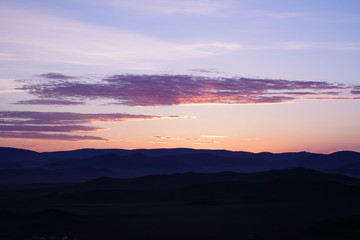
(45, 136)
(356, 90)
(48, 128)
(48, 102)
(70, 117)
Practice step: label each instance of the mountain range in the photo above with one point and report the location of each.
(160, 194)
(21, 166)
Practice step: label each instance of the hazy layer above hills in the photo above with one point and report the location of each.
(20, 166)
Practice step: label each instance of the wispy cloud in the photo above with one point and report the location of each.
(332, 98)
(295, 45)
(166, 7)
(283, 15)
(157, 90)
(60, 41)
(176, 138)
(214, 136)
(250, 139)
(48, 125)
(303, 45)
(201, 140)
(57, 40)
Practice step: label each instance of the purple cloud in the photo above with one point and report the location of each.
(48, 102)
(55, 76)
(29, 124)
(156, 90)
(30, 117)
(48, 128)
(45, 136)
(356, 90)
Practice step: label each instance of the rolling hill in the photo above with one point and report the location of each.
(86, 164)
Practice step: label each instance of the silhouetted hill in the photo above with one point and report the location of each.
(30, 175)
(297, 203)
(15, 158)
(347, 227)
(346, 155)
(82, 153)
(272, 185)
(190, 178)
(348, 163)
(18, 165)
(11, 153)
(49, 223)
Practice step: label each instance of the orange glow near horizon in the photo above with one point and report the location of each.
(299, 126)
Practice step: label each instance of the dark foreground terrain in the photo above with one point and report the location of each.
(296, 203)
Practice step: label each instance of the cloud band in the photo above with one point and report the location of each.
(160, 90)
(58, 125)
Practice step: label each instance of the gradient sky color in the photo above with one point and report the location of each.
(246, 75)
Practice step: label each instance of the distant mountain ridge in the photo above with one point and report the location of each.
(86, 164)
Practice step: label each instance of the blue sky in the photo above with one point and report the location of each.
(291, 40)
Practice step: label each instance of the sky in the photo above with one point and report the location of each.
(241, 75)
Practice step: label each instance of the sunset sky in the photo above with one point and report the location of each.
(244, 75)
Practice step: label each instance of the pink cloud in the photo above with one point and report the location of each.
(204, 139)
(156, 90)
